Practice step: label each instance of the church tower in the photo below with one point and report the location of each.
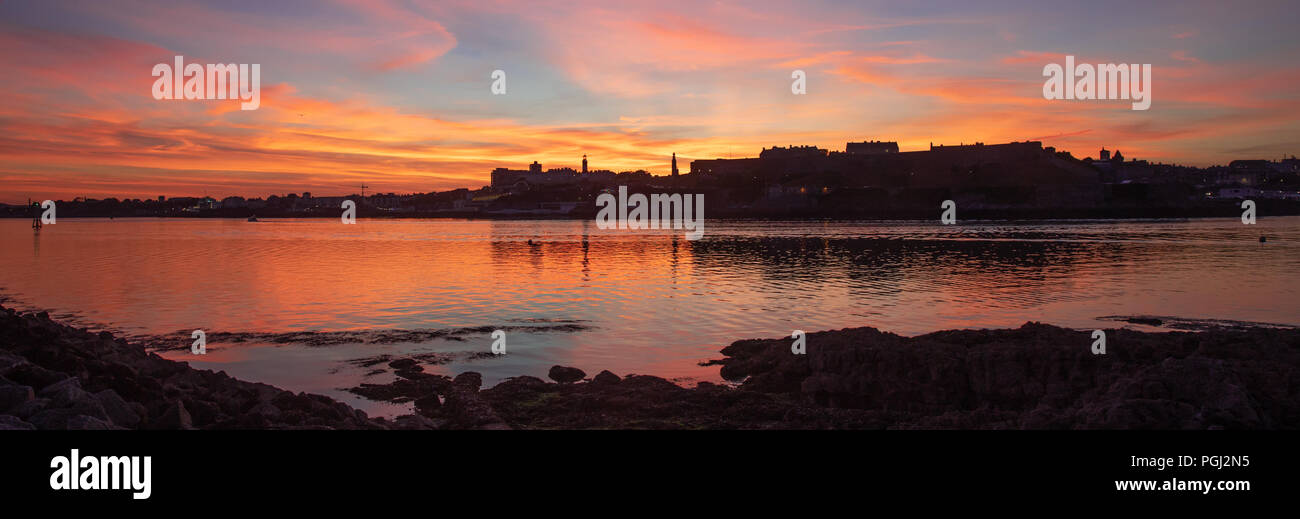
(674, 164)
(584, 164)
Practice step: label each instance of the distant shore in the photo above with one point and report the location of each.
(54, 376)
(912, 215)
(865, 211)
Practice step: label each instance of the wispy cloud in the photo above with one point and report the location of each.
(395, 93)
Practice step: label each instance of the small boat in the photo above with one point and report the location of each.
(252, 218)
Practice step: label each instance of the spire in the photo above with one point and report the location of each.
(584, 164)
(674, 164)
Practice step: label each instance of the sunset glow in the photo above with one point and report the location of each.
(395, 94)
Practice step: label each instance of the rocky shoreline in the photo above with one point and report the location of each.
(54, 376)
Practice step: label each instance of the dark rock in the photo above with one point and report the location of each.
(565, 374)
(202, 413)
(468, 381)
(404, 364)
(174, 416)
(14, 395)
(414, 422)
(13, 423)
(1036, 376)
(88, 423)
(67, 393)
(119, 411)
(428, 406)
(465, 409)
(9, 361)
(523, 383)
(53, 419)
(265, 410)
(64, 393)
(650, 383)
(605, 378)
(26, 409)
(35, 376)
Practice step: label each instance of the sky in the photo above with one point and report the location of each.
(396, 94)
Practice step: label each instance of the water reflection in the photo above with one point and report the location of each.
(649, 302)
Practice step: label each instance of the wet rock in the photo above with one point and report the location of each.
(404, 364)
(74, 373)
(468, 410)
(468, 381)
(523, 382)
(1036, 376)
(414, 373)
(565, 374)
(1149, 321)
(428, 406)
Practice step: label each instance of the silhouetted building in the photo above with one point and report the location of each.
(871, 147)
(1248, 172)
(975, 174)
(515, 180)
(795, 152)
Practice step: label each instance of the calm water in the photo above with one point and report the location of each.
(641, 303)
